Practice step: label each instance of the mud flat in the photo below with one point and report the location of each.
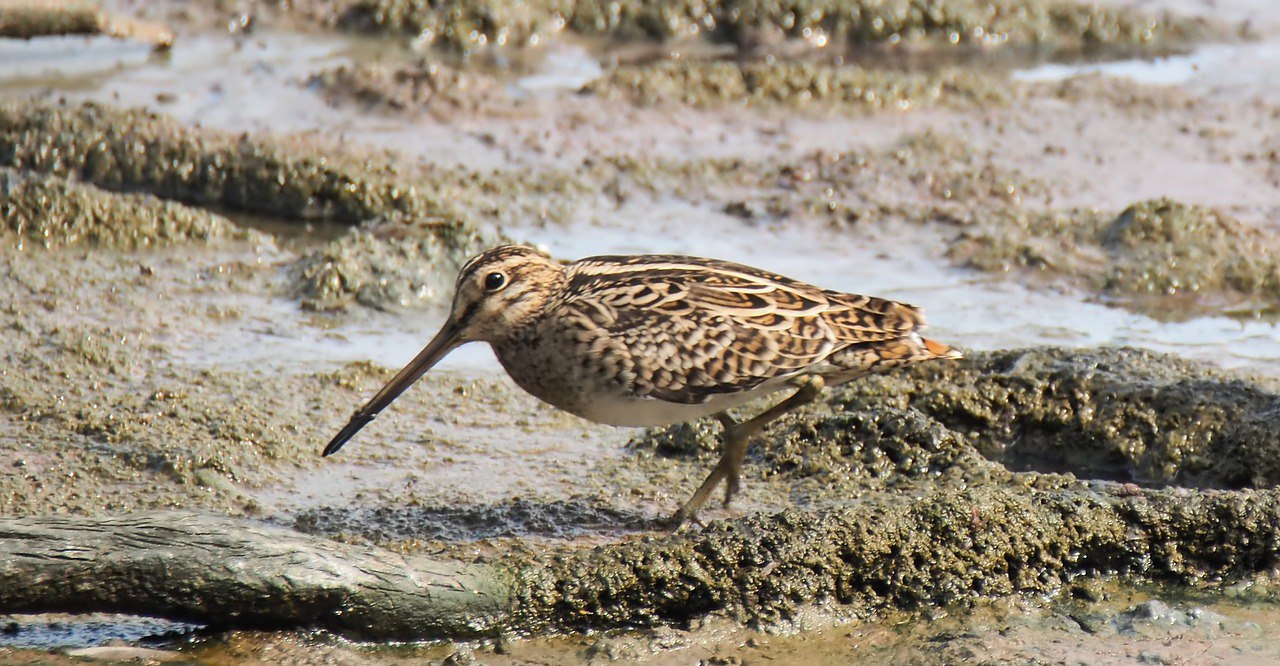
(211, 255)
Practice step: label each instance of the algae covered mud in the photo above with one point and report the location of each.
(214, 250)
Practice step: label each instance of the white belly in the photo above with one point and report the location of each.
(622, 411)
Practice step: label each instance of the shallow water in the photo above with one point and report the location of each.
(971, 310)
(72, 631)
(1247, 69)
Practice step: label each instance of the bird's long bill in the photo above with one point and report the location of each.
(444, 342)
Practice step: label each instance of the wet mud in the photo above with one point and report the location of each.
(855, 24)
(133, 149)
(189, 308)
(799, 84)
(937, 548)
(1158, 255)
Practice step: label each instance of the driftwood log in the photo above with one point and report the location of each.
(235, 573)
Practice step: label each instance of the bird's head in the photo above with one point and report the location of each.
(498, 292)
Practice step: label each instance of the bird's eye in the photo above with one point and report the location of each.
(494, 281)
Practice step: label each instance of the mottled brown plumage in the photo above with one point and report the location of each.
(657, 339)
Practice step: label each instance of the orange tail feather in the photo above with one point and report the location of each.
(940, 350)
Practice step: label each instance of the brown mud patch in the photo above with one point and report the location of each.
(25, 19)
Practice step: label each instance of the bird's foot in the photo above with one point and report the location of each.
(732, 483)
(685, 515)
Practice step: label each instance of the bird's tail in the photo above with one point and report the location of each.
(938, 350)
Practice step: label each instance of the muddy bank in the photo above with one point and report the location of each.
(1152, 249)
(25, 19)
(987, 477)
(425, 85)
(54, 212)
(862, 23)
(700, 83)
(417, 224)
(411, 241)
(943, 547)
(136, 150)
(1045, 417)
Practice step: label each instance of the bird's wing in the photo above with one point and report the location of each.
(693, 328)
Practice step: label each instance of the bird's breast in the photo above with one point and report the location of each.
(591, 382)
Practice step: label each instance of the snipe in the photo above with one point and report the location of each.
(650, 340)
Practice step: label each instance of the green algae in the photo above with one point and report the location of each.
(701, 83)
(54, 212)
(864, 22)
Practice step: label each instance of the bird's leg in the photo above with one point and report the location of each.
(736, 437)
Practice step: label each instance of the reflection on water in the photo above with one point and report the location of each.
(73, 631)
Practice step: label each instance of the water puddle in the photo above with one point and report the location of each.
(565, 67)
(61, 631)
(204, 78)
(68, 60)
(1251, 67)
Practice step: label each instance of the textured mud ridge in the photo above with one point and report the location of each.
(864, 22)
(798, 83)
(968, 527)
(140, 151)
(512, 518)
(1054, 415)
(410, 87)
(409, 245)
(895, 551)
(55, 212)
(1151, 249)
